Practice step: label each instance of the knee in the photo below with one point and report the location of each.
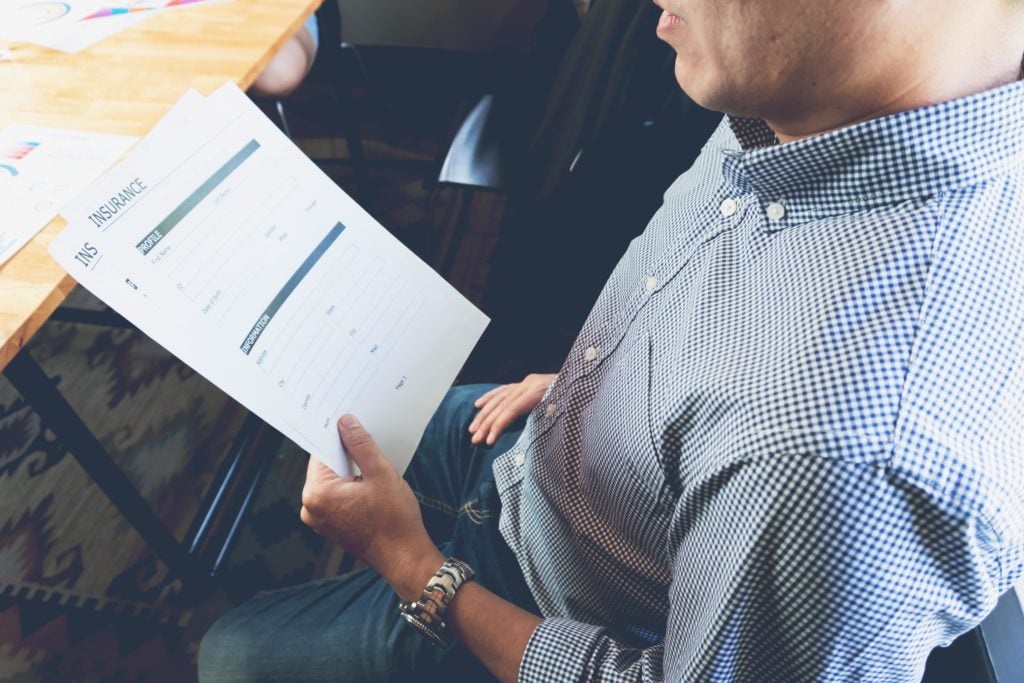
(224, 651)
(457, 406)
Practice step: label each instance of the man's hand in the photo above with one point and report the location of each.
(375, 516)
(503, 405)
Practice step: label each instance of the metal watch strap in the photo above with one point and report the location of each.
(427, 614)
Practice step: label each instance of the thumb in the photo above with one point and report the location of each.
(361, 446)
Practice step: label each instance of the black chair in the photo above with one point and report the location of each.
(584, 156)
(991, 653)
(333, 66)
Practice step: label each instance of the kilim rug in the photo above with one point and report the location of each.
(81, 597)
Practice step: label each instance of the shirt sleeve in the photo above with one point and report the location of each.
(794, 567)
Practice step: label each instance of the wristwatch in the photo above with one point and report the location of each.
(426, 615)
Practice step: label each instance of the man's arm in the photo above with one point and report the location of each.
(785, 567)
(494, 630)
(376, 517)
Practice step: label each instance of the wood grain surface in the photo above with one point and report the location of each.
(124, 85)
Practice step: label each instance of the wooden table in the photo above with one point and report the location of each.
(124, 85)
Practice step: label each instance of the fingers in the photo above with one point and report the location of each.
(488, 402)
(489, 412)
(317, 471)
(307, 518)
(487, 396)
(503, 415)
(501, 406)
(361, 446)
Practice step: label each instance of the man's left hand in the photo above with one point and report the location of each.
(375, 516)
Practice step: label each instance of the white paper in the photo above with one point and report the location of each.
(176, 118)
(40, 170)
(73, 25)
(60, 25)
(243, 259)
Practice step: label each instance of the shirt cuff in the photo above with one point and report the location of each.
(560, 650)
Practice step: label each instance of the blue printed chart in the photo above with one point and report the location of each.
(40, 170)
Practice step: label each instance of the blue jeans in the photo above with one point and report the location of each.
(347, 628)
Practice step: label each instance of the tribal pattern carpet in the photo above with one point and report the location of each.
(81, 596)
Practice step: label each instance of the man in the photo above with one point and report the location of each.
(787, 443)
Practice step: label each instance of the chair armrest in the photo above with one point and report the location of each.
(479, 155)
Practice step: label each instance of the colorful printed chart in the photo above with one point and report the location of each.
(40, 170)
(41, 13)
(144, 7)
(18, 150)
(73, 25)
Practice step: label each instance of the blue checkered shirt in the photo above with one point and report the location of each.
(788, 444)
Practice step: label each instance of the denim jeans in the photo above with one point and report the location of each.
(347, 628)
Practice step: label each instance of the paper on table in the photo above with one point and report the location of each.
(174, 119)
(224, 243)
(57, 24)
(73, 25)
(40, 170)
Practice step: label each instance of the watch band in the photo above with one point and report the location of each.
(426, 615)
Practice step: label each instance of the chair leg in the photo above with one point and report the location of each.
(353, 138)
(359, 61)
(40, 392)
(279, 106)
(451, 249)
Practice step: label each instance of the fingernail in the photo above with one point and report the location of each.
(348, 422)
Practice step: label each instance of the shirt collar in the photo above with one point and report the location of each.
(885, 161)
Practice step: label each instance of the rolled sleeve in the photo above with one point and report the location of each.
(565, 650)
(793, 568)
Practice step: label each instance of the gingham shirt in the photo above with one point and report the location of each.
(787, 445)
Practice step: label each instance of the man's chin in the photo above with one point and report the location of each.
(711, 93)
(697, 86)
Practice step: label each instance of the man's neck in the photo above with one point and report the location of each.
(926, 92)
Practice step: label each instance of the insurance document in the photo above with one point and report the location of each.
(219, 239)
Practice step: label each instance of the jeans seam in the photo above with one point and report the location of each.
(468, 508)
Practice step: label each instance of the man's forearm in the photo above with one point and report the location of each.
(494, 630)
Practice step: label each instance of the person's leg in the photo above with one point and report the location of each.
(290, 65)
(348, 628)
(447, 469)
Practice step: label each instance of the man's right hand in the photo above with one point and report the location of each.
(503, 405)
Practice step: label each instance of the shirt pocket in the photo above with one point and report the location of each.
(620, 478)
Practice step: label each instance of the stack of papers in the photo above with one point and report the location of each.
(73, 25)
(40, 170)
(223, 242)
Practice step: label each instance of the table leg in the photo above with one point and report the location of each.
(57, 414)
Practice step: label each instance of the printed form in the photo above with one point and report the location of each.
(219, 239)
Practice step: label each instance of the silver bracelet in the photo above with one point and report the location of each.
(426, 615)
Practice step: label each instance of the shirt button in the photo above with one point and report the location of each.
(776, 211)
(551, 409)
(590, 354)
(729, 207)
(651, 283)
(519, 458)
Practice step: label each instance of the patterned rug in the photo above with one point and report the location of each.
(81, 596)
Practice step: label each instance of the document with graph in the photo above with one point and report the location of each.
(223, 242)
